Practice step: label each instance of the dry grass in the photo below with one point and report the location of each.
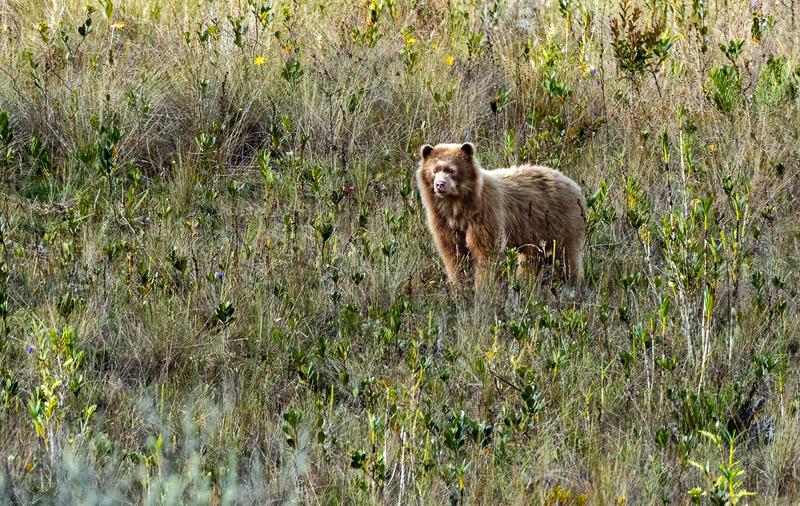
(342, 369)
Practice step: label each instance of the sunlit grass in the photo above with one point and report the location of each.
(217, 286)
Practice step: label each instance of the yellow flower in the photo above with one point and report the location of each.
(410, 41)
(259, 60)
(449, 60)
(434, 45)
(118, 24)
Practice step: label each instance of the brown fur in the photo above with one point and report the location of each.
(525, 207)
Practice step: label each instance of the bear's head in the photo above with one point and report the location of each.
(449, 170)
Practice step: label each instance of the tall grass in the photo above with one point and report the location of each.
(216, 284)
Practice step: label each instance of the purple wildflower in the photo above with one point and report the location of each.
(30, 348)
(219, 275)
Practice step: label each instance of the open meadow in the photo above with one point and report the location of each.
(217, 285)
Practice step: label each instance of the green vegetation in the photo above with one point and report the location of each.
(217, 286)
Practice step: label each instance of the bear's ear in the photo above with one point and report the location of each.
(426, 150)
(468, 148)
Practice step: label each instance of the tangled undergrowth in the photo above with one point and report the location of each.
(216, 284)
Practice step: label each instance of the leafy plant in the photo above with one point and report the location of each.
(53, 405)
(640, 47)
(725, 87)
(292, 71)
(727, 488)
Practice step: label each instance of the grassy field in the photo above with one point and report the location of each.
(217, 285)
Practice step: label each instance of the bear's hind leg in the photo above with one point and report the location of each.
(574, 263)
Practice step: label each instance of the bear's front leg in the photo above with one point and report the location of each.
(483, 247)
(453, 257)
(451, 247)
(449, 242)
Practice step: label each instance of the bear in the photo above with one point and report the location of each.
(475, 214)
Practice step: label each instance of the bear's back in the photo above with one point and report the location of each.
(536, 175)
(540, 203)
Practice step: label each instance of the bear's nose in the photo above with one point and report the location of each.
(439, 184)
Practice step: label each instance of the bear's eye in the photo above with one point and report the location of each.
(449, 170)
